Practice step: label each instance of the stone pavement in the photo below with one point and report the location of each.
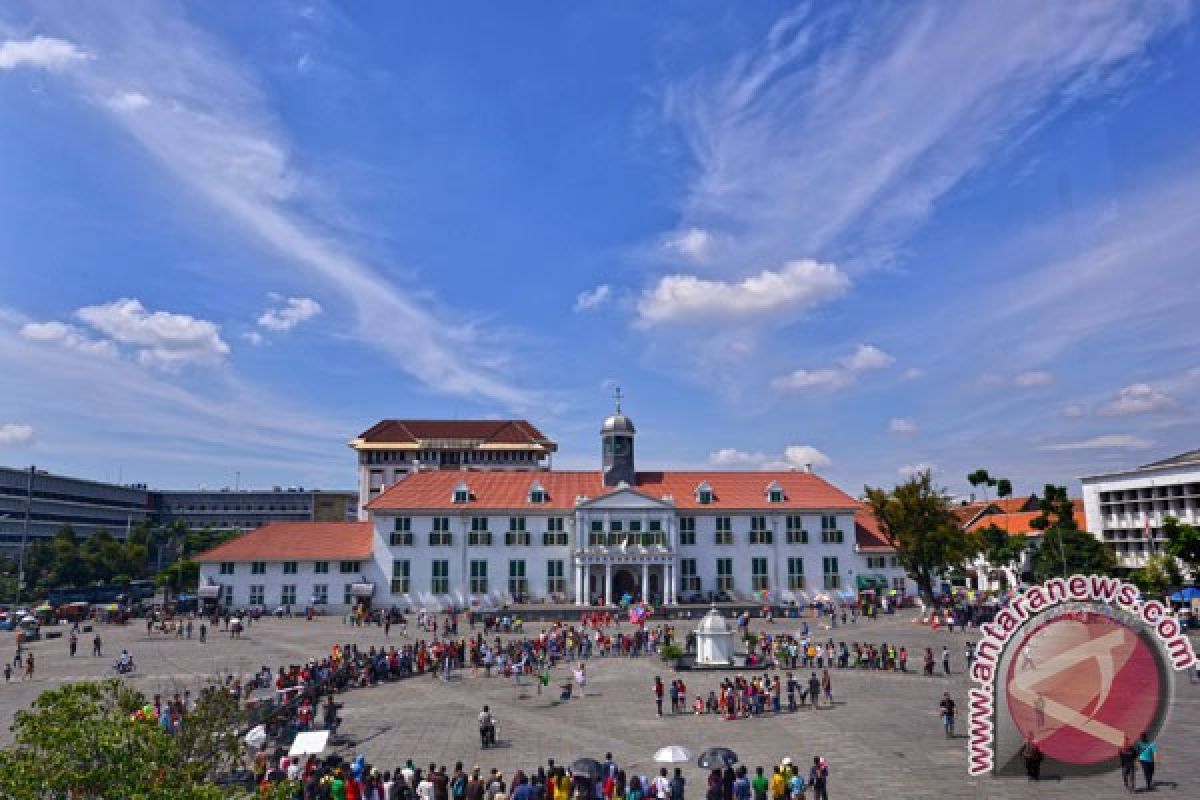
(882, 738)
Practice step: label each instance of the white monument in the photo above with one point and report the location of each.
(714, 640)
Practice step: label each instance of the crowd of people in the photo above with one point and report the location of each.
(334, 779)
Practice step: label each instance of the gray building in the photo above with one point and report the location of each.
(247, 509)
(57, 500)
(89, 506)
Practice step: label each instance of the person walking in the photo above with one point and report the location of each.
(677, 785)
(1128, 757)
(818, 778)
(73, 644)
(1146, 750)
(827, 686)
(1032, 755)
(29, 673)
(947, 711)
(946, 659)
(658, 693)
(96, 646)
(814, 690)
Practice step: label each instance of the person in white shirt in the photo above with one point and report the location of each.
(425, 788)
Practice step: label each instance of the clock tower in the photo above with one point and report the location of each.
(617, 444)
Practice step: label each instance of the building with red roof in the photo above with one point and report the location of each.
(478, 537)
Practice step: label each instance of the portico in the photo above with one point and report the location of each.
(604, 578)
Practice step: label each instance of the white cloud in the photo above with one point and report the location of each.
(903, 425)
(590, 299)
(255, 338)
(163, 339)
(796, 287)
(1032, 378)
(128, 101)
(865, 358)
(850, 127)
(12, 434)
(909, 470)
(41, 52)
(797, 456)
(293, 311)
(216, 132)
(67, 336)
(1073, 411)
(1111, 441)
(912, 373)
(692, 243)
(1137, 398)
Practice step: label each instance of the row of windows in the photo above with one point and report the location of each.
(257, 595)
(292, 567)
(516, 537)
(689, 579)
(236, 508)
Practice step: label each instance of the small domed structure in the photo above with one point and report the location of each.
(618, 423)
(714, 640)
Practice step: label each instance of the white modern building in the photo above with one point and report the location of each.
(392, 449)
(481, 538)
(1127, 508)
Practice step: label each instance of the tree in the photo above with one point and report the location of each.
(1003, 487)
(980, 477)
(915, 518)
(1000, 547)
(81, 741)
(1159, 574)
(1183, 542)
(1066, 552)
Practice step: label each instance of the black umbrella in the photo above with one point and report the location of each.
(587, 766)
(716, 758)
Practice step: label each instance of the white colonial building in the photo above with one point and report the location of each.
(1127, 508)
(476, 538)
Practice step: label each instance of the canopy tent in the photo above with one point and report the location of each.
(309, 742)
(1186, 595)
(672, 754)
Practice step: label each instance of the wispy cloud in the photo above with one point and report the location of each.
(591, 299)
(1110, 441)
(778, 294)
(215, 131)
(12, 434)
(42, 52)
(797, 456)
(288, 312)
(865, 358)
(1137, 398)
(903, 426)
(844, 129)
(694, 244)
(1033, 378)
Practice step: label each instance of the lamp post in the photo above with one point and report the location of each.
(24, 535)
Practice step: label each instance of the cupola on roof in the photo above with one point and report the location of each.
(617, 422)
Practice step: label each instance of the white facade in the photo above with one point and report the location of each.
(1126, 509)
(290, 584)
(482, 560)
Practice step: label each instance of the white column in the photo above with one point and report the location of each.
(608, 583)
(645, 582)
(668, 584)
(579, 584)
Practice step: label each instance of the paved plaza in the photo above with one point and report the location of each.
(883, 737)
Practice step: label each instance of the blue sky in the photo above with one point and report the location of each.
(868, 236)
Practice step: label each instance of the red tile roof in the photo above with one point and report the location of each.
(510, 490)
(1019, 522)
(867, 535)
(297, 541)
(1012, 505)
(498, 431)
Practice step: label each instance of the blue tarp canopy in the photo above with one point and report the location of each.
(1186, 595)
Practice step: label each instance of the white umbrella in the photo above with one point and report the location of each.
(256, 737)
(672, 754)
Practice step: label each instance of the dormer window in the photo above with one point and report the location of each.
(462, 493)
(775, 493)
(704, 494)
(537, 493)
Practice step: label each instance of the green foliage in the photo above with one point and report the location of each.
(1069, 551)
(672, 652)
(80, 741)
(1183, 542)
(1057, 510)
(980, 477)
(180, 576)
(915, 517)
(1003, 487)
(999, 547)
(1160, 573)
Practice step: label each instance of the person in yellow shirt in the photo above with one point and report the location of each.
(778, 786)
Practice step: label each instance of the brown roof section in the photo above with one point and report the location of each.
(1020, 522)
(499, 431)
(867, 535)
(297, 541)
(510, 490)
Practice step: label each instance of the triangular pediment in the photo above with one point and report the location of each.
(626, 497)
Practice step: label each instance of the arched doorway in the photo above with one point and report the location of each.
(624, 583)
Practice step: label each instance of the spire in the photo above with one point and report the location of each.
(617, 396)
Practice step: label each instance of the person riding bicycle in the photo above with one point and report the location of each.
(125, 662)
(487, 727)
